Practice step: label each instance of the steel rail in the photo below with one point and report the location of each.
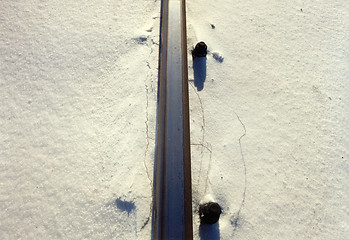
(172, 201)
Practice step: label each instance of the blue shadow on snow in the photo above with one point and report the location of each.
(125, 206)
(199, 67)
(209, 231)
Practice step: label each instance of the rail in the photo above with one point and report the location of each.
(172, 202)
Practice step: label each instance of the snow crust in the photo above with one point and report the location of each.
(77, 81)
(269, 118)
(280, 92)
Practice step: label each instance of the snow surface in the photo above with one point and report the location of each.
(269, 118)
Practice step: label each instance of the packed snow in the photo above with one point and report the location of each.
(269, 110)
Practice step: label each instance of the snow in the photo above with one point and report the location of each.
(73, 80)
(285, 76)
(269, 124)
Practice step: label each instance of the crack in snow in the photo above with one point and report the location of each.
(149, 88)
(236, 217)
(147, 137)
(203, 115)
(208, 148)
(147, 123)
(204, 145)
(149, 76)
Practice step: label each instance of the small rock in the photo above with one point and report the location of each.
(200, 50)
(209, 212)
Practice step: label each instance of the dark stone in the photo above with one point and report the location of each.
(200, 50)
(209, 212)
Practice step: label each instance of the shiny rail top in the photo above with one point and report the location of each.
(172, 209)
